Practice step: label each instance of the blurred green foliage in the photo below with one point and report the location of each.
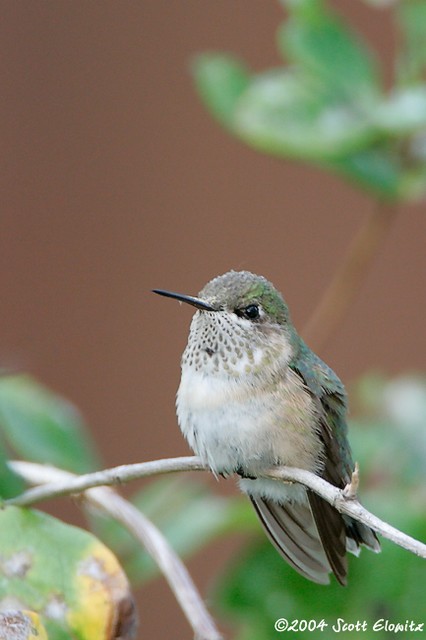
(40, 426)
(328, 105)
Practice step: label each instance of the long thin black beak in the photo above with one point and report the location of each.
(195, 302)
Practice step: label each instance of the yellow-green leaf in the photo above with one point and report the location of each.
(65, 575)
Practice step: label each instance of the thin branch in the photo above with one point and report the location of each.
(107, 477)
(340, 292)
(341, 499)
(344, 503)
(141, 527)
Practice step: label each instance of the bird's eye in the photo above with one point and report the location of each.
(251, 312)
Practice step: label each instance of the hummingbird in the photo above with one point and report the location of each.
(253, 396)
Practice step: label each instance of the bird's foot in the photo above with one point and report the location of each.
(350, 492)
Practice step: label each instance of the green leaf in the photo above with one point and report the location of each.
(323, 46)
(376, 168)
(10, 483)
(411, 62)
(62, 573)
(42, 426)
(403, 112)
(220, 79)
(328, 107)
(287, 114)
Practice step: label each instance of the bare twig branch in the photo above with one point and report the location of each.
(348, 277)
(107, 477)
(118, 475)
(142, 529)
(350, 506)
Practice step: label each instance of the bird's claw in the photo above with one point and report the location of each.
(351, 490)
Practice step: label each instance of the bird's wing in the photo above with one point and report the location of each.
(337, 532)
(328, 393)
(311, 535)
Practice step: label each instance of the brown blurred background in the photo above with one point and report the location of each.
(114, 180)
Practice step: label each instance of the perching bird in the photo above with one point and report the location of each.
(253, 396)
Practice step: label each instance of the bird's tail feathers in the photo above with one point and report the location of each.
(292, 530)
(313, 537)
(357, 534)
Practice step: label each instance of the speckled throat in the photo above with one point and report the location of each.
(217, 345)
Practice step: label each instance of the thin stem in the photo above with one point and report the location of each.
(342, 500)
(339, 294)
(71, 484)
(167, 560)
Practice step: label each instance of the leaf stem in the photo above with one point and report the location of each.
(340, 293)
